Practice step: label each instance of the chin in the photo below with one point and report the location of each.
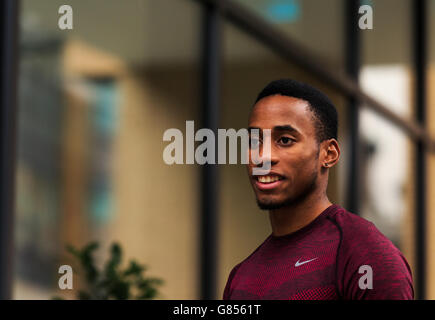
(270, 204)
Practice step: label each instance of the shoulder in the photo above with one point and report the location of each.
(361, 243)
(357, 232)
(363, 246)
(233, 272)
(244, 261)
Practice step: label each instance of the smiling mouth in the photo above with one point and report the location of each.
(268, 178)
(268, 183)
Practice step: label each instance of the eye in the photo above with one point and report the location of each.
(285, 140)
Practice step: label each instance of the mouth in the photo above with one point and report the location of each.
(268, 182)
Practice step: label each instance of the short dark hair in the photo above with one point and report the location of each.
(325, 114)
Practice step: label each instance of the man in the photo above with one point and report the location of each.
(317, 250)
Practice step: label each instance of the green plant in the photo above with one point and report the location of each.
(113, 282)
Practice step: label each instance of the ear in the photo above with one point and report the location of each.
(330, 153)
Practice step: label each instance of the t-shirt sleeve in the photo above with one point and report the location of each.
(227, 290)
(370, 267)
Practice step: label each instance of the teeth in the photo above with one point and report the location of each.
(268, 179)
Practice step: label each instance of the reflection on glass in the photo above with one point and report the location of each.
(94, 103)
(317, 25)
(386, 164)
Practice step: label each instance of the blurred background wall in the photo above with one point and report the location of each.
(95, 101)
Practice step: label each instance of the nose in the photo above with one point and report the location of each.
(264, 159)
(267, 162)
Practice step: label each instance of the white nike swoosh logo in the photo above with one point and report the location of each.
(298, 263)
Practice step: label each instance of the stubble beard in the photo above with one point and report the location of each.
(291, 200)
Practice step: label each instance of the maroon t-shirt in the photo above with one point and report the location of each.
(337, 256)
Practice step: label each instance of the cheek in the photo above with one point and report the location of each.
(248, 169)
(295, 158)
(300, 165)
(308, 170)
(253, 154)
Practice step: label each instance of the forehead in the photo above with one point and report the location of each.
(278, 110)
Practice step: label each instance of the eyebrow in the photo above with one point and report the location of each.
(285, 127)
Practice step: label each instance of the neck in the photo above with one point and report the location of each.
(291, 218)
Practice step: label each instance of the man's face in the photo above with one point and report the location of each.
(294, 159)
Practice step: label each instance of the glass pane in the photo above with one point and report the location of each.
(430, 121)
(387, 179)
(431, 30)
(386, 164)
(317, 25)
(94, 104)
(391, 32)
